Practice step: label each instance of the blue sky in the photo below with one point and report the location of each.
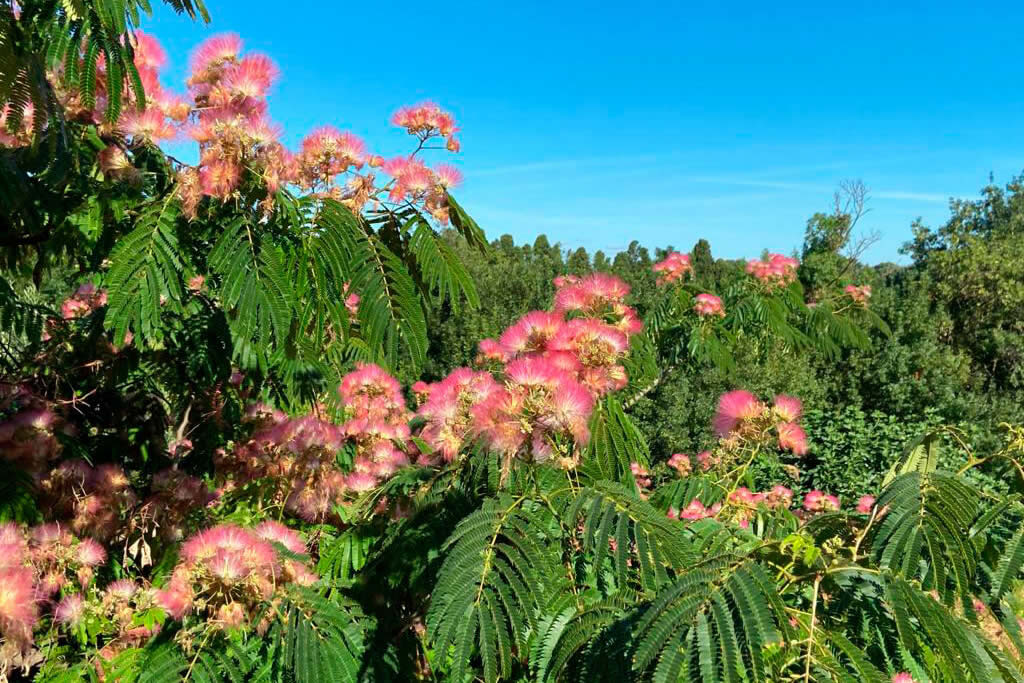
(598, 123)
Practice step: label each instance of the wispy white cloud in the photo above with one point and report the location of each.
(911, 196)
(562, 164)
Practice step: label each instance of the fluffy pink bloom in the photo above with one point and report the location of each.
(779, 496)
(196, 282)
(114, 162)
(531, 334)
(122, 589)
(326, 152)
(252, 77)
(447, 176)
(792, 438)
(696, 510)
(18, 608)
(709, 304)
(777, 270)
(860, 295)
(818, 501)
(590, 294)
(491, 350)
(674, 267)
(424, 120)
(70, 610)
(361, 481)
(176, 598)
(706, 460)
(351, 300)
(540, 406)
(744, 496)
(275, 532)
(865, 504)
(90, 553)
(640, 475)
(219, 178)
(680, 462)
(902, 677)
(149, 54)
(788, 408)
(148, 125)
(735, 407)
(448, 409)
(214, 51)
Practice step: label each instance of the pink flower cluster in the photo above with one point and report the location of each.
(555, 364)
(742, 417)
(428, 120)
(299, 455)
(640, 475)
(231, 125)
(94, 500)
(694, 511)
(859, 295)
(377, 425)
(673, 267)
(743, 504)
(174, 496)
(35, 565)
(448, 408)
(28, 430)
(709, 305)
(164, 111)
(540, 413)
(776, 271)
(680, 462)
(865, 504)
(84, 301)
(818, 501)
(226, 572)
(598, 295)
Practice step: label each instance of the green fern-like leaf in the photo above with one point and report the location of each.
(144, 281)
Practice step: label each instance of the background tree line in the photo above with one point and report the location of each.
(955, 355)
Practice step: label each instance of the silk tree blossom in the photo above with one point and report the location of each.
(300, 454)
(673, 267)
(792, 438)
(735, 408)
(19, 610)
(860, 295)
(71, 610)
(601, 296)
(540, 413)
(640, 475)
(695, 510)
(902, 677)
(225, 572)
(326, 153)
(776, 271)
(351, 300)
(29, 430)
(788, 408)
(596, 349)
(532, 333)
(709, 305)
(448, 409)
(427, 120)
(490, 350)
(680, 462)
(865, 504)
(818, 501)
(95, 500)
